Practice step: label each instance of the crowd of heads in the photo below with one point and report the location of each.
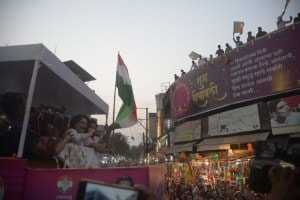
(47, 127)
(199, 190)
(237, 40)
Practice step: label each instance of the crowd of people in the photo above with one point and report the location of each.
(283, 186)
(199, 190)
(81, 131)
(47, 136)
(237, 40)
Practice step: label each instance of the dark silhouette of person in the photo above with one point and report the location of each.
(182, 72)
(176, 77)
(13, 105)
(125, 181)
(200, 60)
(284, 184)
(228, 47)
(250, 36)
(282, 23)
(297, 19)
(219, 51)
(260, 32)
(194, 65)
(237, 41)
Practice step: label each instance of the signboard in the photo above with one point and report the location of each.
(12, 176)
(17, 181)
(285, 115)
(153, 125)
(188, 131)
(262, 68)
(63, 183)
(234, 121)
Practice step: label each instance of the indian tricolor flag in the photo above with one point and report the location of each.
(238, 27)
(127, 114)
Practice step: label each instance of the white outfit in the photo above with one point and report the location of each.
(77, 154)
(200, 61)
(78, 138)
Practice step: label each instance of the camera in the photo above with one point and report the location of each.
(278, 152)
(91, 189)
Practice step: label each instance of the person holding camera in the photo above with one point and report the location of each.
(286, 185)
(36, 147)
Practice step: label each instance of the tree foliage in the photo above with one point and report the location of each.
(120, 143)
(122, 147)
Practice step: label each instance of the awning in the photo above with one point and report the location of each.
(53, 83)
(224, 142)
(212, 147)
(181, 147)
(44, 79)
(74, 67)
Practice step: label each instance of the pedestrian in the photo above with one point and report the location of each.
(282, 23)
(200, 60)
(194, 65)
(260, 32)
(219, 51)
(228, 47)
(297, 19)
(182, 72)
(237, 41)
(250, 36)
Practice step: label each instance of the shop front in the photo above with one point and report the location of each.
(215, 160)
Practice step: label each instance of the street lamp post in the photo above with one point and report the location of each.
(145, 136)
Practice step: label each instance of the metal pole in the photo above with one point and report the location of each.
(147, 133)
(144, 148)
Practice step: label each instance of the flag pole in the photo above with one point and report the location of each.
(113, 118)
(114, 108)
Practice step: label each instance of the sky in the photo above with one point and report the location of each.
(154, 38)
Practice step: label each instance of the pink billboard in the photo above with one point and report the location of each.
(63, 183)
(12, 178)
(18, 182)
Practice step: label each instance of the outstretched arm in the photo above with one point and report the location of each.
(234, 39)
(90, 133)
(109, 129)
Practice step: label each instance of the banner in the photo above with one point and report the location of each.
(238, 27)
(268, 67)
(193, 55)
